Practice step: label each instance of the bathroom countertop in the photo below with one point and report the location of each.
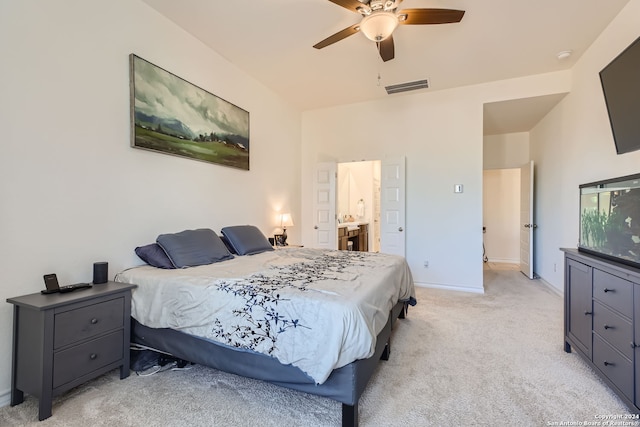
(352, 225)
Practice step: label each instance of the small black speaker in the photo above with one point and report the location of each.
(100, 272)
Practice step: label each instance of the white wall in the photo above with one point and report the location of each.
(501, 214)
(573, 145)
(509, 150)
(72, 190)
(440, 133)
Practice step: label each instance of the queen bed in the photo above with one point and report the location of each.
(308, 319)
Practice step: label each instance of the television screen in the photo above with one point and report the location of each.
(621, 86)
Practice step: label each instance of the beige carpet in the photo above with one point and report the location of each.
(458, 359)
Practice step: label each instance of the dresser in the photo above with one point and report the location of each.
(602, 320)
(62, 340)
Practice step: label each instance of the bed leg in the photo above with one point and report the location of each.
(405, 309)
(350, 415)
(386, 352)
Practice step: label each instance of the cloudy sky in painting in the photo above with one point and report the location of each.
(161, 94)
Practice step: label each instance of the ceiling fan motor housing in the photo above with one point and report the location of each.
(369, 7)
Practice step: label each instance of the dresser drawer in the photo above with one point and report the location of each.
(74, 362)
(615, 292)
(616, 330)
(614, 365)
(82, 323)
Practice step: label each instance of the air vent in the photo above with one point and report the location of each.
(405, 87)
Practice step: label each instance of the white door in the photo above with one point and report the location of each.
(375, 245)
(392, 209)
(325, 233)
(526, 219)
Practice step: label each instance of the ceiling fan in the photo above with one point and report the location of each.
(381, 17)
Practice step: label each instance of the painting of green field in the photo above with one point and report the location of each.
(172, 116)
(208, 151)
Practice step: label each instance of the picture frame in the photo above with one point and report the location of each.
(279, 239)
(173, 116)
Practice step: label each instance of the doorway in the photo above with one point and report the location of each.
(501, 217)
(358, 197)
(388, 219)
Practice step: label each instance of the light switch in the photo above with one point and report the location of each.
(457, 188)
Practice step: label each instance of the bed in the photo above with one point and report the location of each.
(307, 319)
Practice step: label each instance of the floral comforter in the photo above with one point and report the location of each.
(315, 309)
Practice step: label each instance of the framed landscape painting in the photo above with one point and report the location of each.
(172, 116)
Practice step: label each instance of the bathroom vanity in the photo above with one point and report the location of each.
(354, 234)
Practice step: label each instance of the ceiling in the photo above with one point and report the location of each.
(272, 40)
(517, 115)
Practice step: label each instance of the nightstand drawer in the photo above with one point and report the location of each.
(616, 330)
(615, 292)
(77, 361)
(614, 365)
(82, 323)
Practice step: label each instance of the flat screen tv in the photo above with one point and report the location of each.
(621, 86)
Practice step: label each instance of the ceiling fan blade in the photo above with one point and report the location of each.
(352, 5)
(338, 36)
(430, 16)
(386, 49)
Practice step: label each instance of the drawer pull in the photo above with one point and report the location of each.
(608, 327)
(587, 313)
(609, 363)
(94, 321)
(94, 356)
(608, 290)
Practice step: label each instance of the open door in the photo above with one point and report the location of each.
(324, 206)
(392, 206)
(526, 219)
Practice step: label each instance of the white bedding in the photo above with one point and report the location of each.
(315, 309)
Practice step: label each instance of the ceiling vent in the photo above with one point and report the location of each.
(405, 87)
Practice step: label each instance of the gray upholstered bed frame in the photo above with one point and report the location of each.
(345, 384)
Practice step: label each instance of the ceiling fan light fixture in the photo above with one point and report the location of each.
(379, 25)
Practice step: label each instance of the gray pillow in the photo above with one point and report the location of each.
(246, 239)
(190, 248)
(154, 255)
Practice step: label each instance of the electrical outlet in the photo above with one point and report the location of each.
(426, 264)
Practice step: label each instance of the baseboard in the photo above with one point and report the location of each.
(450, 287)
(504, 260)
(551, 287)
(5, 398)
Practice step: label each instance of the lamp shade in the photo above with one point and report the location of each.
(379, 25)
(285, 220)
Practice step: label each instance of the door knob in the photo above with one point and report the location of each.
(527, 225)
(400, 229)
(315, 227)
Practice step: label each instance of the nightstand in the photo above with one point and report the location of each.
(63, 340)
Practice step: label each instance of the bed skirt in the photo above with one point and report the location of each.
(344, 385)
